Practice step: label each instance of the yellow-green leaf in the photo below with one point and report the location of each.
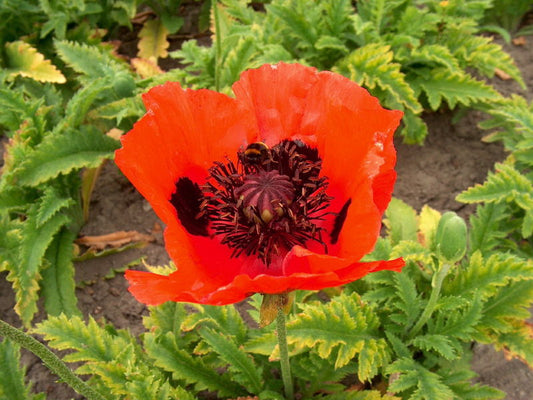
(427, 225)
(146, 68)
(153, 42)
(26, 61)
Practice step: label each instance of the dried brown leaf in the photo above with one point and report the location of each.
(504, 76)
(519, 41)
(115, 239)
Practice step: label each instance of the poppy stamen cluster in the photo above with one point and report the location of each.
(264, 206)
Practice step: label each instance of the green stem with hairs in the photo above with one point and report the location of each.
(218, 45)
(433, 299)
(51, 361)
(284, 355)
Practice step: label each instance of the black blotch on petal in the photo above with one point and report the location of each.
(339, 222)
(187, 200)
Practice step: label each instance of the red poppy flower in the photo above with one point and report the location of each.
(280, 188)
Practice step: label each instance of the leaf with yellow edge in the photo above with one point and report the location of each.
(26, 61)
(343, 329)
(427, 225)
(153, 43)
(146, 68)
(161, 269)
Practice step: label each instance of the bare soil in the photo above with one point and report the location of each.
(452, 159)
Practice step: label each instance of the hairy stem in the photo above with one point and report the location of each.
(51, 361)
(433, 298)
(218, 45)
(284, 354)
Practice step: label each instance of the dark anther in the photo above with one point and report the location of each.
(339, 222)
(187, 200)
(310, 153)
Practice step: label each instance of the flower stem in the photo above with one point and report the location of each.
(433, 298)
(284, 354)
(218, 45)
(52, 361)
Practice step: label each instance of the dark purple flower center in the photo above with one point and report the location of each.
(270, 201)
(268, 192)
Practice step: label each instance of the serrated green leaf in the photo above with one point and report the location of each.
(439, 343)
(245, 371)
(166, 317)
(372, 65)
(409, 301)
(434, 53)
(345, 325)
(26, 272)
(153, 43)
(414, 129)
(90, 342)
(461, 323)
(50, 203)
(485, 55)
(62, 153)
(92, 61)
(503, 185)
(412, 251)
(401, 221)
(183, 366)
(12, 374)
(518, 342)
(237, 59)
(300, 23)
(25, 61)
(225, 320)
(58, 285)
(508, 306)
(119, 109)
(331, 43)
(485, 227)
(424, 384)
(263, 343)
(454, 88)
(525, 202)
(79, 104)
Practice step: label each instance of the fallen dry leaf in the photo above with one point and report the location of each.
(115, 239)
(115, 133)
(504, 76)
(519, 41)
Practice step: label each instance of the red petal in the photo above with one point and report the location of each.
(352, 131)
(243, 286)
(355, 141)
(276, 96)
(182, 133)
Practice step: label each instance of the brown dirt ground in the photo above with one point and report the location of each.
(452, 159)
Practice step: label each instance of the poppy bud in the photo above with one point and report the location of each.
(451, 237)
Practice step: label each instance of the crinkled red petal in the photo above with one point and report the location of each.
(181, 135)
(155, 289)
